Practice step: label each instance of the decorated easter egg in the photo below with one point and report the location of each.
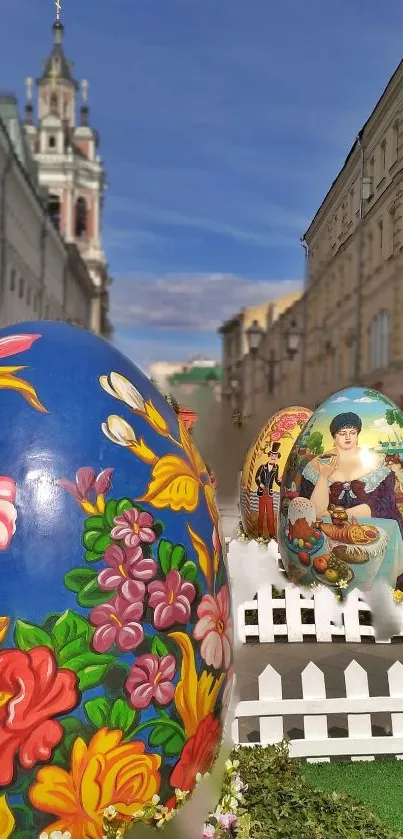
(263, 469)
(343, 527)
(115, 621)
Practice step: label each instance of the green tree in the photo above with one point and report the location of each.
(315, 443)
(393, 416)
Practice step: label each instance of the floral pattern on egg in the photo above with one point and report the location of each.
(116, 657)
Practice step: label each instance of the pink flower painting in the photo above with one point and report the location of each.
(88, 484)
(133, 527)
(214, 629)
(8, 512)
(117, 622)
(123, 566)
(171, 600)
(151, 678)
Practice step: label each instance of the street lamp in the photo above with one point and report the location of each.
(254, 337)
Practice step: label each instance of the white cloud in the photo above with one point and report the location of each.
(258, 223)
(340, 399)
(366, 399)
(190, 302)
(382, 426)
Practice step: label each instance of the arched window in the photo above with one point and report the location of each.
(379, 341)
(81, 217)
(52, 141)
(54, 209)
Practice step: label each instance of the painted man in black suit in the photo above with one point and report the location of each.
(266, 477)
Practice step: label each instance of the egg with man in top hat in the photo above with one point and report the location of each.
(116, 631)
(262, 472)
(344, 527)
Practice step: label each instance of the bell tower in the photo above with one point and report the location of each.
(69, 166)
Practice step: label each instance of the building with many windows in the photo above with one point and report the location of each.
(40, 276)
(350, 315)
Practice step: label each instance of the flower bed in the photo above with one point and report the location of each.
(265, 796)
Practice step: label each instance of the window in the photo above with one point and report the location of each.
(383, 157)
(391, 231)
(46, 312)
(370, 249)
(54, 102)
(54, 209)
(379, 341)
(21, 288)
(12, 279)
(81, 217)
(351, 204)
(353, 353)
(380, 238)
(52, 141)
(371, 167)
(29, 296)
(396, 140)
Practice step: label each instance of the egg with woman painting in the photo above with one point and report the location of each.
(116, 630)
(260, 480)
(348, 464)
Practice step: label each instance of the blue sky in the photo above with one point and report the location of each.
(222, 126)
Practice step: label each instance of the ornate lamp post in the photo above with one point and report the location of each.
(254, 337)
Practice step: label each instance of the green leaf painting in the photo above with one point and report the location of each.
(28, 635)
(113, 715)
(70, 639)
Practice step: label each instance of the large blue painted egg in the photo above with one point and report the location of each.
(115, 619)
(341, 501)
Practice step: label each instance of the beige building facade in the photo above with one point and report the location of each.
(350, 315)
(243, 383)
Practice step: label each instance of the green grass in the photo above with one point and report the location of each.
(378, 784)
(289, 800)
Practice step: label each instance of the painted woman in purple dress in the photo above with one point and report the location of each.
(351, 477)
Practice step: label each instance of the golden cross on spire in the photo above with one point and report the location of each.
(84, 91)
(58, 9)
(28, 86)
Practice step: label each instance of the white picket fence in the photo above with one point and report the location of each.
(261, 626)
(317, 711)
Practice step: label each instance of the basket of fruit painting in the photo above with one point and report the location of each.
(303, 536)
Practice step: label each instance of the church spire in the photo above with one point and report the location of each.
(57, 67)
(58, 28)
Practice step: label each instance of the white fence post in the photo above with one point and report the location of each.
(359, 725)
(313, 687)
(395, 681)
(271, 728)
(265, 614)
(293, 613)
(322, 615)
(317, 709)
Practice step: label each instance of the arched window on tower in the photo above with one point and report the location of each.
(54, 209)
(81, 217)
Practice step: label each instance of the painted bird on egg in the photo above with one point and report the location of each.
(343, 527)
(263, 469)
(116, 630)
